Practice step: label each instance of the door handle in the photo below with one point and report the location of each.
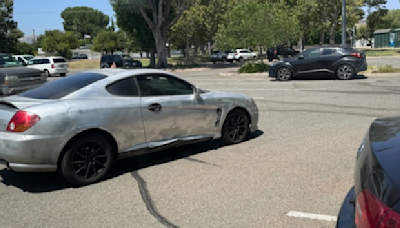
(155, 107)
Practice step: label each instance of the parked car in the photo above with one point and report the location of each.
(15, 78)
(82, 122)
(344, 62)
(275, 52)
(50, 65)
(80, 56)
(219, 56)
(373, 201)
(23, 59)
(121, 61)
(240, 54)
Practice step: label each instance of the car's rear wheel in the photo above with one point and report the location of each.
(236, 127)
(63, 74)
(345, 72)
(87, 159)
(47, 73)
(283, 74)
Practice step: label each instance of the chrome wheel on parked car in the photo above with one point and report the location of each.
(345, 72)
(284, 74)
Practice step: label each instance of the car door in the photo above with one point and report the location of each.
(131, 135)
(308, 62)
(171, 111)
(327, 58)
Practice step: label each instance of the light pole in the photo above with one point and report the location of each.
(344, 23)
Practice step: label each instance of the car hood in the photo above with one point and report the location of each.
(384, 137)
(18, 70)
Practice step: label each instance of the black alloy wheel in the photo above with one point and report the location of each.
(236, 127)
(283, 74)
(87, 160)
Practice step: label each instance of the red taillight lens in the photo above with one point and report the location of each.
(372, 213)
(275, 51)
(236, 53)
(22, 121)
(358, 55)
(52, 65)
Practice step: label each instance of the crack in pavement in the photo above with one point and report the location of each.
(199, 161)
(146, 197)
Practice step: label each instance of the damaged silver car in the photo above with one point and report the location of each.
(79, 125)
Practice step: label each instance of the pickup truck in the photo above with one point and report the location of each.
(275, 52)
(16, 78)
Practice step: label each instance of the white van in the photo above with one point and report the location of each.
(50, 65)
(23, 59)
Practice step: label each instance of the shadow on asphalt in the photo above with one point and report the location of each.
(323, 78)
(48, 182)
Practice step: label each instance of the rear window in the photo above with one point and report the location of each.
(59, 60)
(60, 88)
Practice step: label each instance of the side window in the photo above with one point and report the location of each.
(45, 61)
(124, 87)
(328, 51)
(20, 59)
(312, 53)
(163, 85)
(117, 58)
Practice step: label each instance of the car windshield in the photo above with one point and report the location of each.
(28, 57)
(8, 61)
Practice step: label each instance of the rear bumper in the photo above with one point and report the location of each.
(346, 213)
(363, 67)
(28, 153)
(59, 71)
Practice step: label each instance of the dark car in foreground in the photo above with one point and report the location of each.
(15, 78)
(342, 62)
(122, 61)
(374, 201)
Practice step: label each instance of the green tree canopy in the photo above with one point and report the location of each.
(108, 41)
(268, 25)
(7, 24)
(59, 42)
(24, 49)
(84, 20)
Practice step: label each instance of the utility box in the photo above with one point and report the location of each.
(384, 38)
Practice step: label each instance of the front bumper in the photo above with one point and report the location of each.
(28, 153)
(346, 213)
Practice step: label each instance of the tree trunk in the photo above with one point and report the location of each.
(300, 45)
(332, 34)
(152, 57)
(161, 40)
(196, 48)
(322, 38)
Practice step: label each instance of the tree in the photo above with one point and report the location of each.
(108, 41)
(60, 42)
(84, 20)
(391, 19)
(12, 39)
(268, 26)
(160, 16)
(362, 32)
(375, 19)
(24, 48)
(7, 24)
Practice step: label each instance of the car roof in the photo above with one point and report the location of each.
(118, 72)
(49, 57)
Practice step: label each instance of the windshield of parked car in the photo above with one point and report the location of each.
(8, 61)
(28, 58)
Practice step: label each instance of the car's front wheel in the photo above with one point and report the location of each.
(345, 72)
(283, 74)
(236, 127)
(87, 159)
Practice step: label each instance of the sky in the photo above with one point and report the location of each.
(41, 15)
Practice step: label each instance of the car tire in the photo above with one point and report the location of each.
(63, 74)
(345, 72)
(47, 73)
(87, 159)
(269, 59)
(105, 66)
(283, 74)
(235, 128)
(213, 62)
(223, 60)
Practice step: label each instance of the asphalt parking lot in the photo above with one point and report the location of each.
(300, 161)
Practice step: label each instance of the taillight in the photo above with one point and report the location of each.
(52, 65)
(372, 213)
(358, 55)
(275, 51)
(22, 121)
(236, 53)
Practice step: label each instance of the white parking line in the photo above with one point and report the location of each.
(298, 214)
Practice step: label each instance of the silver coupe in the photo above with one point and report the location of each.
(79, 125)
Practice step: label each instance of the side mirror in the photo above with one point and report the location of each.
(300, 57)
(197, 92)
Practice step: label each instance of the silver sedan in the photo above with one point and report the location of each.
(78, 125)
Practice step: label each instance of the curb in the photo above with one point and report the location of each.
(244, 74)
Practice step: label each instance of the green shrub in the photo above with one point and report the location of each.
(249, 67)
(386, 69)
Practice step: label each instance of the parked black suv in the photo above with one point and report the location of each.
(344, 62)
(275, 52)
(122, 61)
